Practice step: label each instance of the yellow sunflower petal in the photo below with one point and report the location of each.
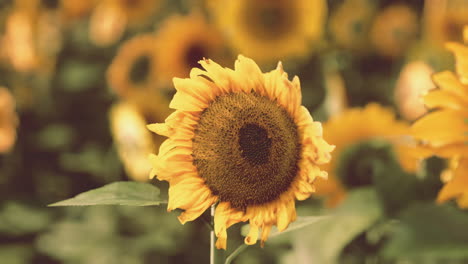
(265, 233)
(441, 127)
(458, 185)
(448, 81)
(443, 99)
(250, 75)
(461, 56)
(252, 237)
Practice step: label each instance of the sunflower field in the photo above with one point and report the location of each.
(233, 131)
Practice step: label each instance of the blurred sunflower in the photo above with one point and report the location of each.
(394, 29)
(350, 23)
(73, 9)
(20, 38)
(183, 41)
(240, 137)
(444, 20)
(370, 122)
(445, 130)
(133, 73)
(268, 30)
(132, 139)
(111, 17)
(8, 120)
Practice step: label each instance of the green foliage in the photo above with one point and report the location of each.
(108, 235)
(20, 219)
(429, 231)
(320, 239)
(322, 242)
(398, 188)
(117, 193)
(16, 254)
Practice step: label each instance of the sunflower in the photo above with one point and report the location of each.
(240, 138)
(111, 17)
(267, 30)
(370, 122)
(8, 120)
(73, 9)
(350, 23)
(133, 141)
(444, 20)
(133, 73)
(183, 41)
(19, 39)
(445, 130)
(394, 30)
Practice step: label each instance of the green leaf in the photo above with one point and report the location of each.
(301, 222)
(394, 186)
(398, 188)
(16, 253)
(321, 238)
(430, 231)
(117, 193)
(323, 241)
(17, 218)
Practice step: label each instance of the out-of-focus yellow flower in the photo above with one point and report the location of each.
(456, 182)
(444, 20)
(240, 137)
(132, 139)
(370, 122)
(183, 41)
(268, 30)
(111, 17)
(336, 100)
(76, 8)
(133, 74)
(8, 120)
(350, 23)
(414, 80)
(445, 130)
(393, 30)
(20, 39)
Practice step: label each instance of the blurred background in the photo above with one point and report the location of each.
(80, 79)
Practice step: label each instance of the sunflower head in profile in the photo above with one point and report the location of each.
(240, 138)
(444, 20)
(267, 30)
(183, 41)
(132, 140)
(394, 29)
(350, 23)
(110, 18)
(445, 130)
(8, 120)
(133, 75)
(355, 152)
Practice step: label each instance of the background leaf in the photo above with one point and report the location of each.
(117, 193)
(323, 241)
(442, 235)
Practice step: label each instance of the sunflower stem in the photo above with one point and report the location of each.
(216, 255)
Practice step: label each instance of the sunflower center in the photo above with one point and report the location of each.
(140, 69)
(247, 149)
(194, 54)
(270, 19)
(254, 144)
(357, 163)
(51, 4)
(131, 3)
